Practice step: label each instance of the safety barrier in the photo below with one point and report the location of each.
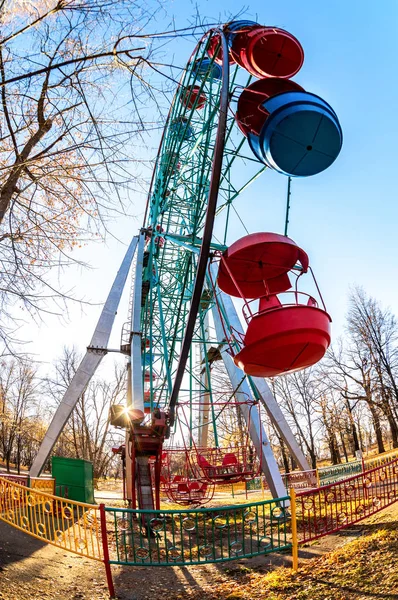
(72, 526)
(45, 484)
(121, 536)
(378, 461)
(21, 479)
(322, 476)
(300, 480)
(330, 508)
(193, 537)
(327, 475)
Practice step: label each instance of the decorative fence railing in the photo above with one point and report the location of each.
(300, 479)
(378, 461)
(20, 479)
(45, 484)
(72, 526)
(327, 475)
(121, 536)
(328, 509)
(192, 537)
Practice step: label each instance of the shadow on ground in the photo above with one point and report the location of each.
(16, 545)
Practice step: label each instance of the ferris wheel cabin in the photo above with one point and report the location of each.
(287, 331)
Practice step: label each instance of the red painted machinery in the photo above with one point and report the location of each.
(286, 333)
(146, 452)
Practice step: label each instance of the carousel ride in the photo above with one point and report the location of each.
(196, 387)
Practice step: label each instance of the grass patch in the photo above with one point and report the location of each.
(364, 569)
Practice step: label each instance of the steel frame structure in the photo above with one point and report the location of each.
(194, 183)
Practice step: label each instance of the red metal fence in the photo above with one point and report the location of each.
(328, 509)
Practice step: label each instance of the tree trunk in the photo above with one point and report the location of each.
(334, 449)
(377, 428)
(362, 444)
(354, 433)
(392, 423)
(343, 444)
(19, 455)
(285, 458)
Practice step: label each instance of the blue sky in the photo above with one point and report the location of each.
(346, 217)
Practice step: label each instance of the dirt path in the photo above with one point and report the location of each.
(31, 570)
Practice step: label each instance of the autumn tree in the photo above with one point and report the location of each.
(19, 411)
(298, 394)
(77, 92)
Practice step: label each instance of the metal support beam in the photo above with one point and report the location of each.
(239, 382)
(278, 419)
(88, 365)
(129, 479)
(204, 395)
(270, 404)
(137, 392)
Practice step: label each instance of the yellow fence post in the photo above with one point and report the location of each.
(294, 529)
(318, 481)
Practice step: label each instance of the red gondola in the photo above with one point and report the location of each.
(258, 264)
(148, 377)
(147, 392)
(282, 336)
(193, 95)
(179, 480)
(214, 43)
(271, 52)
(159, 241)
(227, 465)
(263, 51)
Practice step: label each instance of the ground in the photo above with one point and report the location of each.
(359, 564)
(362, 565)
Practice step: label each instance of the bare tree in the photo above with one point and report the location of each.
(76, 90)
(298, 395)
(88, 433)
(375, 329)
(18, 409)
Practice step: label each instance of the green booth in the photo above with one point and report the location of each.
(73, 478)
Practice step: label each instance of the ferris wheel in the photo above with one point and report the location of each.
(195, 374)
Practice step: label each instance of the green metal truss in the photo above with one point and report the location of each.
(175, 219)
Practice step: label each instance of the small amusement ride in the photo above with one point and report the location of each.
(195, 375)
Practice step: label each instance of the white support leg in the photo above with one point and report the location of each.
(278, 419)
(129, 480)
(256, 429)
(96, 351)
(137, 392)
(270, 404)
